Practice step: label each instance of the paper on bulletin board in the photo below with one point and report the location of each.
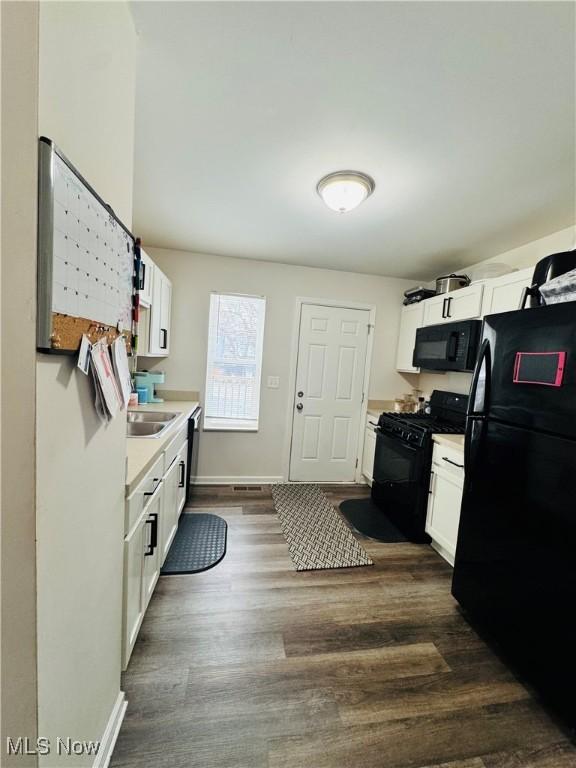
(98, 396)
(121, 368)
(106, 378)
(84, 355)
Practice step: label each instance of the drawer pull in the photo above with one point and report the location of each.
(460, 466)
(182, 480)
(153, 491)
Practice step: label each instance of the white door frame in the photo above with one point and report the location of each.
(343, 304)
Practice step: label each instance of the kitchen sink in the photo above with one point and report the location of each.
(145, 428)
(158, 417)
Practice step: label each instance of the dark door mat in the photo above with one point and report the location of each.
(366, 518)
(199, 544)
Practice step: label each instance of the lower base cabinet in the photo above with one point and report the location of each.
(445, 499)
(152, 551)
(369, 449)
(146, 544)
(141, 568)
(174, 498)
(133, 604)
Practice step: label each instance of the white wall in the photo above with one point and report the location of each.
(86, 105)
(19, 27)
(194, 276)
(525, 256)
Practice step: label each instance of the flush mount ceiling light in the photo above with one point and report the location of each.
(345, 190)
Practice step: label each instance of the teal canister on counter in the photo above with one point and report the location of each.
(142, 395)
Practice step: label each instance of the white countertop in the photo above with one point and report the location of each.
(142, 452)
(452, 441)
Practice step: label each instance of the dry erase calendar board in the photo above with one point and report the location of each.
(85, 260)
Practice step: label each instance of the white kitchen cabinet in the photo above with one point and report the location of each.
(146, 279)
(445, 499)
(170, 507)
(141, 569)
(152, 548)
(503, 294)
(160, 315)
(182, 470)
(133, 601)
(463, 304)
(434, 310)
(174, 497)
(411, 319)
(369, 449)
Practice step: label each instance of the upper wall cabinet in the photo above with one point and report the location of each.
(160, 313)
(146, 279)
(503, 294)
(463, 304)
(411, 319)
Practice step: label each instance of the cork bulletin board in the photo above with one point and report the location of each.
(85, 260)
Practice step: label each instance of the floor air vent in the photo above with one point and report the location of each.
(246, 487)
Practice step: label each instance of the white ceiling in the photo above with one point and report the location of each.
(464, 114)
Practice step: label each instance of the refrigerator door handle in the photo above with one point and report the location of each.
(475, 418)
(484, 357)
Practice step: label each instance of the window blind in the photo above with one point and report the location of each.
(235, 337)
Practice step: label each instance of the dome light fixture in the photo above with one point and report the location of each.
(343, 191)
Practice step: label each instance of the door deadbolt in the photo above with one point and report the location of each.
(299, 407)
(300, 394)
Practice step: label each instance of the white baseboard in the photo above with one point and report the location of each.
(111, 731)
(230, 480)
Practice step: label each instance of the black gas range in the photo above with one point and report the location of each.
(401, 476)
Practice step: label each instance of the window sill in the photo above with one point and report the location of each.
(229, 425)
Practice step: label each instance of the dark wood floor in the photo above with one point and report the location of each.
(253, 665)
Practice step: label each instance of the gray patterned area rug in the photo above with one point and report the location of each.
(317, 535)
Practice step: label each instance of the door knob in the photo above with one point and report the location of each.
(300, 394)
(299, 407)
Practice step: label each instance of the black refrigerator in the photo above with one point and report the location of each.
(515, 566)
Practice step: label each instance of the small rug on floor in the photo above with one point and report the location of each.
(199, 544)
(317, 536)
(366, 518)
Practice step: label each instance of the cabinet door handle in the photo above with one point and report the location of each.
(445, 458)
(448, 313)
(443, 308)
(153, 522)
(163, 338)
(182, 475)
(142, 275)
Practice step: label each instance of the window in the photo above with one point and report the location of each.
(235, 336)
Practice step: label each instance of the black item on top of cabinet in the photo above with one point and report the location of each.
(546, 269)
(515, 569)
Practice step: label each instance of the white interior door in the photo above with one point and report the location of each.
(328, 395)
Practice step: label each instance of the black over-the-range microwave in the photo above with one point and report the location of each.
(447, 347)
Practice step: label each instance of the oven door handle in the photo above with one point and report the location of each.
(398, 440)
